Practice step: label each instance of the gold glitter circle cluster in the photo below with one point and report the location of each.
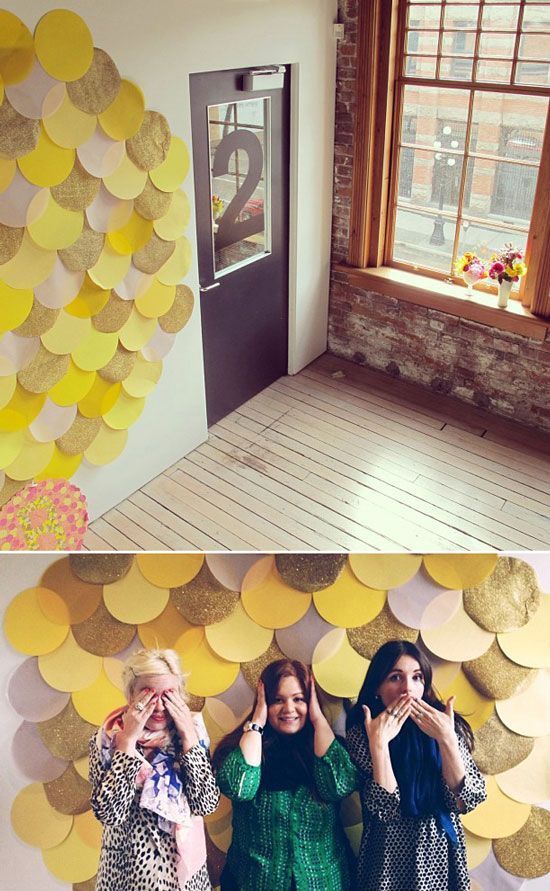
(114, 603)
(92, 251)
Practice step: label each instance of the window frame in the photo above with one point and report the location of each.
(380, 44)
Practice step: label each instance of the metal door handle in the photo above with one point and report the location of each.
(209, 287)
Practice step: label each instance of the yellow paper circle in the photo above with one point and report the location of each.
(338, 669)
(8, 167)
(35, 821)
(17, 53)
(132, 236)
(66, 333)
(209, 674)
(110, 268)
(15, 306)
(68, 126)
(268, 601)
(127, 181)
(48, 164)
(384, 571)
(106, 446)
(124, 412)
(238, 637)
(63, 44)
(66, 599)
(457, 571)
(89, 301)
(143, 378)
(530, 645)
(157, 300)
(176, 219)
(348, 602)
(458, 639)
(27, 628)
(122, 119)
(31, 460)
(60, 466)
(73, 386)
(99, 399)
(527, 713)
(69, 667)
(93, 703)
(88, 827)
(475, 707)
(169, 570)
(498, 816)
(137, 331)
(95, 350)
(169, 629)
(7, 388)
(30, 267)
(10, 447)
(134, 599)
(529, 781)
(177, 266)
(73, 860)
(175, 167)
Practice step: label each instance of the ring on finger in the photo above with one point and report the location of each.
(140, 706)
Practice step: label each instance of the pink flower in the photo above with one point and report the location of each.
(38, 517)
(46, 542)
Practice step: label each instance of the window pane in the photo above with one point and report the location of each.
(460, 43)
(501, 191)
(424, 239)
(493, 118)
(495, 44)
(455, 69)
(422, 42)
(493, 71)
(428, 106)
(535, 46)
(424, 16)
(536, 73)
(430, 178)
(536, 18)
(461, 16)
(420, 66)
(500, 18)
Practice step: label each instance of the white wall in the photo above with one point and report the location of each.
(158, 43)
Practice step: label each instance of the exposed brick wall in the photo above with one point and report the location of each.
(502, 372)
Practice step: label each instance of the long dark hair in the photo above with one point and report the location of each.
(301, 759)
(382, 663)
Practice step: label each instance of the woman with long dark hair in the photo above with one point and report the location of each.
(285, 772)
(418, 775)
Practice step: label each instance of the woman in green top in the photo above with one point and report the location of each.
(285, 773)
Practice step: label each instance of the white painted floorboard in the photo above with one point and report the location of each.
(347, 463)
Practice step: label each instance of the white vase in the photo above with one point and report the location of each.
(504, 289)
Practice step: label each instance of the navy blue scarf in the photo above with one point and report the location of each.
(416, 762)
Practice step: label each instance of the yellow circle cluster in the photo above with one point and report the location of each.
(228, 618)
(92, 250)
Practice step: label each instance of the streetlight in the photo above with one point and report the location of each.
(446, 163)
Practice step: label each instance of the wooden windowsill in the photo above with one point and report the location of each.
(449, 298)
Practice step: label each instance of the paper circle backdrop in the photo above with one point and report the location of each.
(92, 250)
(87, 612)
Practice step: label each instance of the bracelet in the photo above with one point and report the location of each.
(250, 725)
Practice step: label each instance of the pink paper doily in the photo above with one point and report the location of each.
(50, 515)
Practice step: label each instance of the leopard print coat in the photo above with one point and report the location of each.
(136, 855)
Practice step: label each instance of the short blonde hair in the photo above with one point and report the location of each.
(153, 661)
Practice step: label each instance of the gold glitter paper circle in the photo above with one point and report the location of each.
(527, 852)
(180, 312)
(10, 242)
(195, 703)
(98, 87)
(43, 372)
(120, 365)
(309, 572)
(85, 251)
(152, 204)
(39, 320)
(77, 191)
(367, 639)
(101, 569)
(252, 670)
(149, 147)
(204, 600)
(102, 634)
(498, 749)
(66, 735)
(11, 488)
(494, 675)
(79, 436)
(89, 885)
(18, 135)
(507, 599)
(69, 793)
(153, 255)
(114, 314)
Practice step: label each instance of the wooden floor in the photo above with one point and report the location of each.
(338, 458)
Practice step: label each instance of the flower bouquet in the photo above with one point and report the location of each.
(217, 206)
(472, 270)
(507, 267)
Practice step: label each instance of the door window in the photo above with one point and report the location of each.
(239, 142)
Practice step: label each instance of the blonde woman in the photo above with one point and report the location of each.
(152, 783)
